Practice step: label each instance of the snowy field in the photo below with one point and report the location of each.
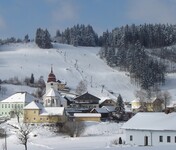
(71, 64)
(97, 136)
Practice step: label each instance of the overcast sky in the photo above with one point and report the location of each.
(21, 17)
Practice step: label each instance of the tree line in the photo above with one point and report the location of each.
(143, 69)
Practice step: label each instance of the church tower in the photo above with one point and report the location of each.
(52, 97)
(51, 82)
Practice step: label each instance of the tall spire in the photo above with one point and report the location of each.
(51, 68)
(51, 76)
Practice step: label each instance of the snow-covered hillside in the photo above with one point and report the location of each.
(71, 64)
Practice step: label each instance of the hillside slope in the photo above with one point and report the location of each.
(71, 64)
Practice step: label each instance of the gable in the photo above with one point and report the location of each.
(87, 97)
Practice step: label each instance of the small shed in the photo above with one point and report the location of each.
(87, 117)
(104, 112)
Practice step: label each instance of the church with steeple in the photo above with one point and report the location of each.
(52, 97)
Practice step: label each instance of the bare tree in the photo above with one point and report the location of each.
(17, 111)
(81, 88)
(141, 94)
(165, 96)
(24, 134)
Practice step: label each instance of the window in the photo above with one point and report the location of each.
(9, 105)
(40, 118)
(34, 118)
(160, 138)
(34, 111)
(53, 101)
(51, 83)
(168, 139)
(175, 139)
(131, 138)
(12, 105)
(5, 105)
(2, 106)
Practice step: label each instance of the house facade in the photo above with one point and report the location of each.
(15, 104)
(151, 129)
(87, 101)
(151, 105)
(36, 113)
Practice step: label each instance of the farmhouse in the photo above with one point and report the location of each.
(150, 129)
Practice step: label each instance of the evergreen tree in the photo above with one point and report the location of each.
(32, 79)
(43, 38)
(120, 105)
(26, 38)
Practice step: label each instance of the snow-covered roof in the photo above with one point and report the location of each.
(135, 100)
(109, 108)
(152, 121)
(52, 111)
(52, 93)
(87, 115)
(34, 105)
(20, 97)
(100, 110)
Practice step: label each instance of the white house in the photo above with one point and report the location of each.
(148, 129)
(15, 102)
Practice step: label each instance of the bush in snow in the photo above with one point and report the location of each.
(73, 128)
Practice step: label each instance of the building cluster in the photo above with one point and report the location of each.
(150, 126)
(57, 105)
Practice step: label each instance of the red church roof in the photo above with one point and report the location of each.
(51, 76)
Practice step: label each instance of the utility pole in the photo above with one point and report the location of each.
(5, 140)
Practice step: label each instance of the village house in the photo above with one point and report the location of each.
(37, 113)
(86, 102)
(13, 105)
(105, 114)
(150, 105)
(108, 102)
(151, 129)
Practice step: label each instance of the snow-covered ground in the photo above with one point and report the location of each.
(71, 64)
(97, 136)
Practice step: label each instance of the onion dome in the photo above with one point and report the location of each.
(51, 76)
